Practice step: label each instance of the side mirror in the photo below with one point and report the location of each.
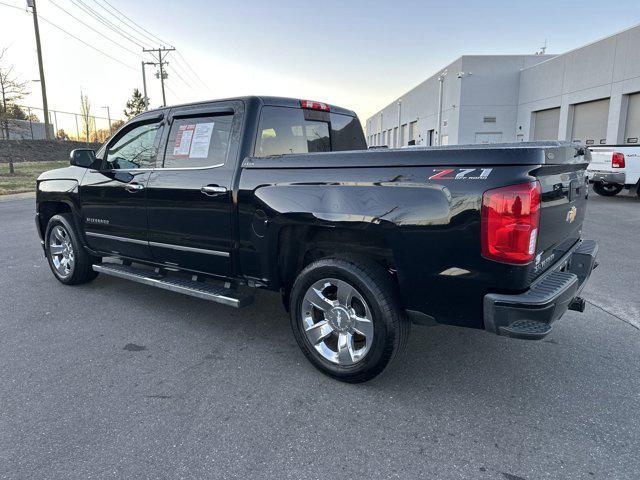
(82, 157)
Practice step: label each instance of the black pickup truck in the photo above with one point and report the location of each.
(218, 198)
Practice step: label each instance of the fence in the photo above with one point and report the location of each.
(27, 123)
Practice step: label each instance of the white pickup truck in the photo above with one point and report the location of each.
(614, 167)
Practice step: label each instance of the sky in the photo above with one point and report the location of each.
(354, 53)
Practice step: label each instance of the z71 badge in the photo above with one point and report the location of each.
(461, 173)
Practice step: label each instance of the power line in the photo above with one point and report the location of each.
(135, 25)
(134, 33)
(88, 10)
(184, 60)
(87, 44)
(13, 6)
(72, 36)
(180, 77)
(96, 31)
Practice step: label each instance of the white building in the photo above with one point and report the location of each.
(590, 94)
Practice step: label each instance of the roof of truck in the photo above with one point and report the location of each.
(264, 100)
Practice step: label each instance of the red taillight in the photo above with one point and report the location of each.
(510, 218)
(617, 160)
(311, 105)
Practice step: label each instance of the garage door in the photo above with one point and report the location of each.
(632, 133)
(546, 124)
(590, 122)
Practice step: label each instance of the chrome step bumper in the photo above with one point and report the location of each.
(206, 291)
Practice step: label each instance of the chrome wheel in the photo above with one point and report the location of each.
(337, 321)
(61, 251)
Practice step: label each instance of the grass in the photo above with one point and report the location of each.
(24, 178)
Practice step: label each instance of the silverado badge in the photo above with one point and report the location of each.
(571, 214)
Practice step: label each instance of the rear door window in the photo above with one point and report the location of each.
(198, 142)
(284, 130)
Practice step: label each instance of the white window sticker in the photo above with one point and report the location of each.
(201, 140)
(182, 145)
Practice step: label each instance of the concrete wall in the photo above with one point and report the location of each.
(421, 104)
(608, 68)
(38, 150)
(474, 87)
(490, 88)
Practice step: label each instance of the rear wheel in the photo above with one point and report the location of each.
(346, 318)
(607, 189)
(69, 261)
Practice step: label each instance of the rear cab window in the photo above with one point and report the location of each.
(198, 141)
(284, 130)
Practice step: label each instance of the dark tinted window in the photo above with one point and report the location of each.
(346, 133)
(285, 130)
(135, 149)
(293, 130)
(198, 141)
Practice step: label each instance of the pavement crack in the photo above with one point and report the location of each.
(614, 315)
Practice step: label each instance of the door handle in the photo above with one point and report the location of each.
(213, 190)
(134, 187)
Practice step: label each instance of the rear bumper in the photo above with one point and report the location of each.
(529, 315)
(596, 176)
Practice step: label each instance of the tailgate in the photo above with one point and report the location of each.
(601, 159)
(563, 208)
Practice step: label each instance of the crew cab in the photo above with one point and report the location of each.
(614, 168)
(216, 199)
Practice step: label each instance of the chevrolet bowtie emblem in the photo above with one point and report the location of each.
(572, 214)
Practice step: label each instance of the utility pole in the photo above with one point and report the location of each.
(161, 64)
(144, 84)
(45, 107)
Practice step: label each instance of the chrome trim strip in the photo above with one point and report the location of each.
(158, 244)
(119, 239)
(156, 169)
(189, 249)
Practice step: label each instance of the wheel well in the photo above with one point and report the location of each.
(299, 246)
(48, 210)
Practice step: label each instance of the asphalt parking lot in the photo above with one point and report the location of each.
(120, 380)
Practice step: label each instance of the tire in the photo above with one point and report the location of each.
(607, 190)
(69, 261)
(346, 317)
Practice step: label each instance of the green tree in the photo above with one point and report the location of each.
(135, 105)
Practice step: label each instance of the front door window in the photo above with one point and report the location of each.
(135, 149)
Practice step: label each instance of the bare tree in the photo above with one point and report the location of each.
(85, 115)
(11, 90)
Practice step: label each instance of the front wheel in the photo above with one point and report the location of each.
(69, 261)
(346, 318)
(607, 189)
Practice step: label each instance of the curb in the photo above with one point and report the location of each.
(17, 196)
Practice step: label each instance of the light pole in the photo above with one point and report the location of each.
(144, 84)
(109, 120)
(440, 90)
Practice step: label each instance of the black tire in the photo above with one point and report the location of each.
(81, 271)
(390, 323)
(607, 190)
